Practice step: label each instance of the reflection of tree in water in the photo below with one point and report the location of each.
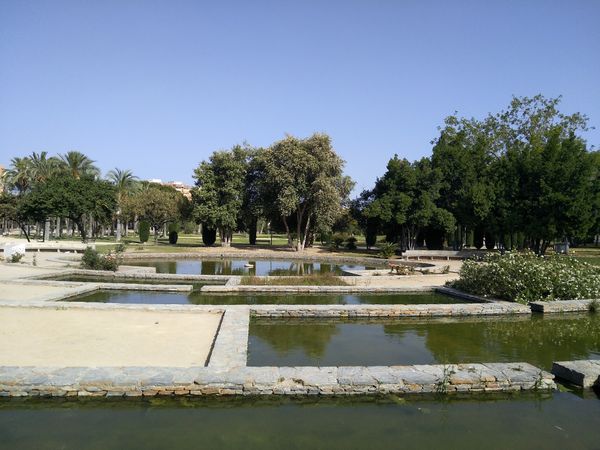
(311, 337)
(538, 341)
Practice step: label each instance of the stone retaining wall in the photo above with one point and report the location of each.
(441, 310)
(153, 381)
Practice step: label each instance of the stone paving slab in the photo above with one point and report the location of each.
(152, 381)
(584, 373)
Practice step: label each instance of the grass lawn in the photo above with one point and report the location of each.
(190, 242)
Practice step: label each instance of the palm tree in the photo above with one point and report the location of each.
(126, 183)
(18, 175)
(78, 165)
(42, 167)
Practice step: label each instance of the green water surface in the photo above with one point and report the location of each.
(319, 342)
(558, 420)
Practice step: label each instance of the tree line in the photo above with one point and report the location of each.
(65, 194)
(520, 178)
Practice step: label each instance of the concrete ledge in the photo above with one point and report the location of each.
(352, 380)
(133, 275)
(428, 310)
(233, 288)
(584, 373)
(560, 306)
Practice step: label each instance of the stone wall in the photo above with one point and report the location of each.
(153, 381)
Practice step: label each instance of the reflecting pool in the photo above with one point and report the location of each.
(197, 298)
(319, 342)
(243, 267)
(559, 420)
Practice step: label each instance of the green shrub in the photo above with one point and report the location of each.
(173, 236)
(92, 260)
(209, 236)
(337, 240)
(351, 243)
(144, 230)
(387, 249)
(525, 277)
(16, 257)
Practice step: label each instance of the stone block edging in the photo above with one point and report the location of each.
(349, 380)
(584, 373)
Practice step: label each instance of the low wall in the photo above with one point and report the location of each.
(430, 310)
(353, 380)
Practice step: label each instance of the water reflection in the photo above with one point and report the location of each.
(536, 340)
(244, 267)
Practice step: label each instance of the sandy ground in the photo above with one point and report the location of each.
(101, 338)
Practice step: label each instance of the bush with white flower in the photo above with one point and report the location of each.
(525, 277)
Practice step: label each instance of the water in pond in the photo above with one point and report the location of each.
(198, 298)
(559, 420)
(535, 339)
(239, 267)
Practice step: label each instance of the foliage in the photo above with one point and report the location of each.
(92, 260)
(525, 277)
(158, 205)
(351, 243)
(75, 198)
(16, 257)
(404, 202)
(173, 236)
(302, 182)
(144, 230)
(337, 240)
(219, 192)
(522, 176)
(387, 249)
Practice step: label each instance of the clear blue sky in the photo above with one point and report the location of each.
(156, 86)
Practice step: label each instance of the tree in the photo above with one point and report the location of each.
(74, 198)
(158, 205)
(18, 175)
(78, 165)
(302, 181)
(404, 202)
(219, 192)
(12, 209)
(125, 184)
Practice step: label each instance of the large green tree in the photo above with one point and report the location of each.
(78, 199)
(404, 202)
(220, 191)
(157, 204)
(303, 185)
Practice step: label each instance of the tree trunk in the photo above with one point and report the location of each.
(287, 231)
(252, 231)
(118, 227)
